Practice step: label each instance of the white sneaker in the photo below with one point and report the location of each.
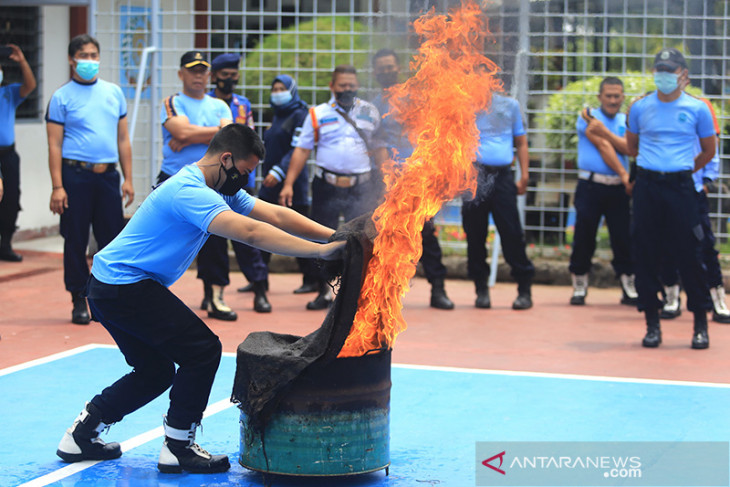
(580, 289)
(720, 312)
(672, 303)
(628, 289)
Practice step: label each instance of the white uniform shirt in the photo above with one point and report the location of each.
(340, 148)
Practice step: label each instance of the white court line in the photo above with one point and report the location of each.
(51, 358)
(131, 443)
(548, 375)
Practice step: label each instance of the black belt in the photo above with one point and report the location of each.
(670, 177)
(7, 149)
(96, 167)
(494, 169)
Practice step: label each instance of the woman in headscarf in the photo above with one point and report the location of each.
(289, 114)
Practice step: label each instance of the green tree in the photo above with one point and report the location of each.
(308, 52)
(565, 106)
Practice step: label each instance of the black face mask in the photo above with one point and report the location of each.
(226, 85)
(386, 80)
(345, 98)
(235, 181)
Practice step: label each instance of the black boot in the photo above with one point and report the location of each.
(6, 252)
(483, 301)
(215, 305)
(80, 313)
(81, 441)
(260, 303)
(700, 340)
(439, 299)
(323, 299)
(248, 288)
(309, 285)
(653, 337)
(524, 296)
(180, 452)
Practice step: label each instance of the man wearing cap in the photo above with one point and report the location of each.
(224, 74)
(87, 136)
(662, 133)
(190, 119)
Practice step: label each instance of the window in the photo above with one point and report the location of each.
(21, 26)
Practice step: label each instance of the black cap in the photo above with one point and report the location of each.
(193, 58)
(669, 59)
(224, 61)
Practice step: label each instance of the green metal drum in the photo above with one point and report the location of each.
(334, 421)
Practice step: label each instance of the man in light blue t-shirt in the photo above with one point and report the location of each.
(86, 122)
(11, 96)
(663, 129)
(128, 293)
(501, 134)
(602, 191)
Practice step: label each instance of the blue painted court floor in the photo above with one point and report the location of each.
(437, 417)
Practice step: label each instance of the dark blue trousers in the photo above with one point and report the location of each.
(496, 194)
(213, 263)
(93, 200)
(666, 224)
(433, 266)
(670, 275)
(10, 203)
(155, 330)
(593, 201)
(329, 201)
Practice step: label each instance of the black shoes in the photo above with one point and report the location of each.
(9, 256)
(260, 303)
(439, 299)
(180, 453)
(248, 288)
(483, 301)
(307, 287)
(652, 339)
(81, 441)
(700, 340)
(320, 302)
(214, 304)
(523, 301)
(80, 312)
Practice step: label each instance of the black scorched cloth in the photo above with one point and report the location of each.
(267, 363)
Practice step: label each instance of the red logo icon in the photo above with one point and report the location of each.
(496, 469)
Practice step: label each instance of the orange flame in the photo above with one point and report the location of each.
(438, 108)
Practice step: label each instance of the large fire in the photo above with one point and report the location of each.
(453, 81)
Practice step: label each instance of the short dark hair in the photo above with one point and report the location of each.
(238, 139)
(80, 41)
(343, 69)
(385, 52)
(610, 80)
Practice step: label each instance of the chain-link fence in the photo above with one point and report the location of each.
(544, 47)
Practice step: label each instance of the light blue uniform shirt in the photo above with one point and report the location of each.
(90, 115)
(589, 159)
(340, 148)
(9, 101)
(668, 131)
(167, 231)
(205, 112)
(497, 129)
